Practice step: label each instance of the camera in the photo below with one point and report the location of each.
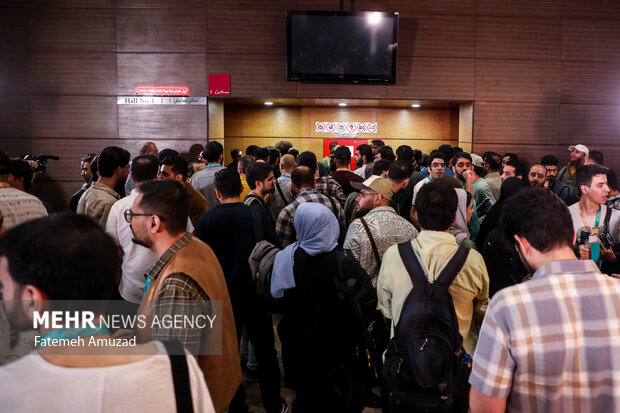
(606, 239)
(41, 161)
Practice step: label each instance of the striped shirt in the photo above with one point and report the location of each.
(552, 344)
(179, 295)
(285, 227)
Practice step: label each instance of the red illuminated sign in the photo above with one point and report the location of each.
(219, 85)
(162, 90)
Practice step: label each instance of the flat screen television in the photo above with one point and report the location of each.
(341, 47)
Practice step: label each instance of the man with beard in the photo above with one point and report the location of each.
(261, 181)
(363, 156)
(591, 217)
(303, 186)
(537, 176)
(186, 280)
(549, 344)
(550, 162)
(568, 174)
(438, 163)
(44, 264)
(378, 226)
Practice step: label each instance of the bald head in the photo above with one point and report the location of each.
(287, 163)
(302, 178)
(537, 176)
(149, 148)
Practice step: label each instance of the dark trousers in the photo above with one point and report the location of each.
(251, 313)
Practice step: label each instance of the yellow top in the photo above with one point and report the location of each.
(469, 290)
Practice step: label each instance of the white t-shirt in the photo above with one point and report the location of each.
(32, 384)
(417, 187)
(578, 225)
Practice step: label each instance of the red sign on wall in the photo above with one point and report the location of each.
(161, 90)
(219, 85)
(352, 144)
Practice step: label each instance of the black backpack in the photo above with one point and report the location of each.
(425, 364)
(361, 329)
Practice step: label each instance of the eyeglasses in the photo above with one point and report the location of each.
(438, 165)
(129, 214)
(362, 193)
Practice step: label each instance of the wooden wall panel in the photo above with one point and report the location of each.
(444, 79)
(527, 8)
(417, 124)
(13, 73)
(72, 30)
(72, 73)
(528, 154)
(73, 117)
(496, 122)
(517, 80)
(518, 38)
(437, 36)
(146, 4)
(264, 31)
(599, 9)
(447, 7)
(357, 5)
(148, 122)
(589, 124)
(97, 4)
(14, 29)
(336, 91)
(253, 75)
(14, 117)
(267, 121)
(162, 30)
(590, 82)
(591, 40)
(252, 4)
(186, 69)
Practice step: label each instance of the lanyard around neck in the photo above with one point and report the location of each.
(585, 222)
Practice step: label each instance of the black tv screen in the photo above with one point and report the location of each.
(342, 47)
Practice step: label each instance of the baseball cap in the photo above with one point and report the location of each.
(580, 148)
(476, 160)
(379, 185)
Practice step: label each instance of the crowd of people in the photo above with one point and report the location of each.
(440, 282)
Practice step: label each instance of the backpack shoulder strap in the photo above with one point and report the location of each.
(607, 218)
(279, 188)
(412, 263)
(453, 267)
(180, 376)
(257, 222)
(372, 241)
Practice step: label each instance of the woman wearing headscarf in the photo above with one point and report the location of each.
(464, 213)
(504, 266)
(313, 342)
(509, 187)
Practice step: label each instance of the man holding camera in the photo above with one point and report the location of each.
(597, 227)
(16, 206)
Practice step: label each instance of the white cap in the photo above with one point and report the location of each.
(477, 160)
(580, 148)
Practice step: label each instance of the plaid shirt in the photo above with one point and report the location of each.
(178, 295)
(552, 344)
(285, 227)
(328, 186)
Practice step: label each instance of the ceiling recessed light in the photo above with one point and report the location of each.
(342, 104)
(269, 103)
(416, 105)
